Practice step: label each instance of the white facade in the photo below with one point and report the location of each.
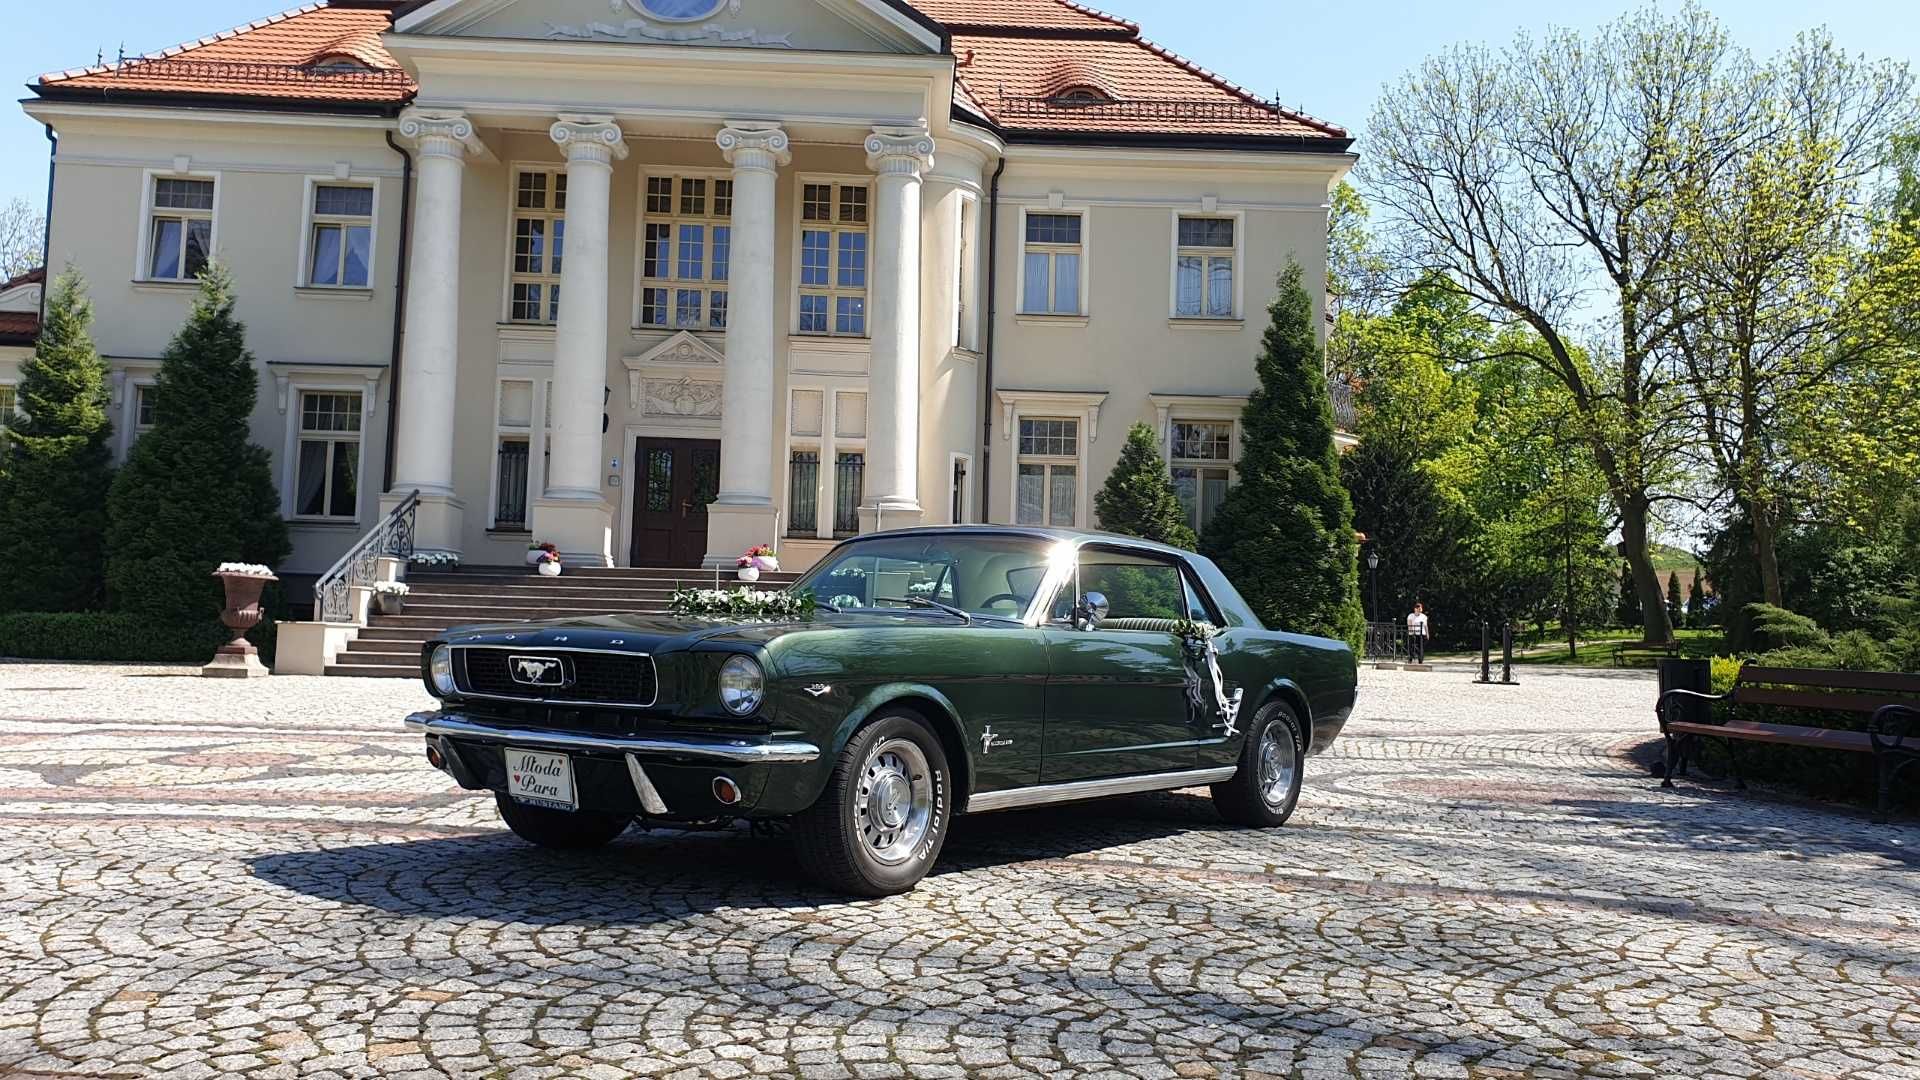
(775, 284)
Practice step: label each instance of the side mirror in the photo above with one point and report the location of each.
(1092, 611)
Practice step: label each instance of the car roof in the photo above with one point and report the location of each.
(1077, 537)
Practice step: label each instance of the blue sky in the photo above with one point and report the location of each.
(1329, 59)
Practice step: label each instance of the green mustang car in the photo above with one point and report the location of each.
(927, 673)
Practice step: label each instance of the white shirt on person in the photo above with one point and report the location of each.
(1417, 624)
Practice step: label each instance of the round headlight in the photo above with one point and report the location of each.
(440, 670)
(743, 686)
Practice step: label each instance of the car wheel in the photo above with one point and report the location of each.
(1263, 793)
(576, 831)
(879, 825)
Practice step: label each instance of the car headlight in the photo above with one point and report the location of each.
(743, 686)
(440, 670)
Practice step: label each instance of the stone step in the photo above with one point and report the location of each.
(413, 634)
(373, 671)
(483, 612)
(540, 592)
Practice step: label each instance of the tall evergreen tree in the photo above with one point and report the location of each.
(1628, 611)
(195, 492)
(1676, 614)
(1139, 498)
(53, 499)
(1285, 533)
(1697, 601)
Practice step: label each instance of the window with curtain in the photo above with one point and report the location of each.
(9, 401)
(686, 252)
(1047, 491)
(328, 484)
(1203, 269)
(539, 245)
(1052, 268)
(180, 231)
(1202, 462)
(342, 237)
(834, 259)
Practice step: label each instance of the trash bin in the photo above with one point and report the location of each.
(1697, 675)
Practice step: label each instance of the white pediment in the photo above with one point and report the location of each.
(684, 349)
(881, 26)
(681, 379)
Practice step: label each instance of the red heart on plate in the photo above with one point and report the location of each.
(516, 777)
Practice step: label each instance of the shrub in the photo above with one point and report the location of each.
(195, 492)
(1777, 628)
(1139, 498)
(116, 636)
(1284, 534)
(53, 499)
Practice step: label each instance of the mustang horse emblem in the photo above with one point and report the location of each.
(537, 671)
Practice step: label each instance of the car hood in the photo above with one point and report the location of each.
(665, 633)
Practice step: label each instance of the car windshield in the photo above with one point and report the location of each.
(994, 576)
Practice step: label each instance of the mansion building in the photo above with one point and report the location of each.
(661, 280)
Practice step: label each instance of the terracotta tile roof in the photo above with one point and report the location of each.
(1016, 59)
(296, 55)
(19, 327)
(32, 277)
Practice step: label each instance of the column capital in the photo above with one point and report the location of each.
(442, 133)
(900, 151)
(591, 139)
(755, 146)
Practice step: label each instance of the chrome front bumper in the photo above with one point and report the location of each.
(690, 748)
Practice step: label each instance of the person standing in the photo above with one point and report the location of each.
(1417, 635)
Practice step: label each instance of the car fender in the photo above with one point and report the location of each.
(1293, 694)
(886, 694)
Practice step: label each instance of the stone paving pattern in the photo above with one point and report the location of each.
(201, 878)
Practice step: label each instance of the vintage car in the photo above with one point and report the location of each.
(931, 672)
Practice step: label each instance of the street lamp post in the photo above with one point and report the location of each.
(1373, 581)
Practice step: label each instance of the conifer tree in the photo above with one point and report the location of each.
(1676, 615)
(1697, 601)
(1139, 498)
(1628, 611)
(1284, 535)
(195, 492)
(53, 498)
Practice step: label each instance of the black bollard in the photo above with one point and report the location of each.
(1486, 654)
(1506, 656)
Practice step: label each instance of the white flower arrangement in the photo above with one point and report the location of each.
(390, 588)
(741, 603)
(431, 559)
(848, 600)
(922, 588)
(245, 569)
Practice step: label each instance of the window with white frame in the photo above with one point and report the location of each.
(833, 258)
(145, 395)
(513, 456)
(1052, 267)
(1203, 269)
(539, 245)
(966, 332)
(1202, 461)
(1048, 487)
(327, 486)
(686, 252)
(179, 228)
(9, 401)
(340, 239)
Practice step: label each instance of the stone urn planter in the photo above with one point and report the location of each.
(389, 600)
(238, 659)
(550, 568)
(749, 572)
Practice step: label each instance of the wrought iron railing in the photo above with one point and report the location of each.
(393, 537)
(1345, 414)
(1386, 641)
(1160, 109)
(225, 71)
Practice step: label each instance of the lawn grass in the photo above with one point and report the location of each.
(1598, 649)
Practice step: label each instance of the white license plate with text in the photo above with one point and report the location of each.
(541, 779)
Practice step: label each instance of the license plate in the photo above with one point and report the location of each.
(541, 779)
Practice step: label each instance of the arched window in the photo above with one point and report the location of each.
(1078, 97)
(681, 10)
(338, 63)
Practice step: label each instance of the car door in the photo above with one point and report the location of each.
(1117, 701)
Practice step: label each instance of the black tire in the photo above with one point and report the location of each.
(559, 829)
(842, 839)
(1250, 800)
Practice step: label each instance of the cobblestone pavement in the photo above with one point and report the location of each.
(207, 879)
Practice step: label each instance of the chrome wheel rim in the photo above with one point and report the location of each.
(1277, 763)
(895, 808)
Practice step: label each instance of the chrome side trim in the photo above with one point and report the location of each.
(460, 671)
(650, 799)
(1043, 794)
(735, 751)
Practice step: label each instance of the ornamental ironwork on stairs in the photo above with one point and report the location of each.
(360, 566)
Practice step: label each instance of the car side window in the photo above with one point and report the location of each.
(1136, 586)
(1198, 609)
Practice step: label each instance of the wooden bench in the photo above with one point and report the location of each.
(1653, 649)
(1891, 701)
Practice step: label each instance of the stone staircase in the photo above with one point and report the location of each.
(389, 647)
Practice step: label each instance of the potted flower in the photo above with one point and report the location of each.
(757, 561)
(434, 560)
(537, 553)
(389, 597)
(549, 562)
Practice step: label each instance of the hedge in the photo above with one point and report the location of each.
(116, 636)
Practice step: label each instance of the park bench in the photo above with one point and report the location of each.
(1890, 700)
(1636, 649)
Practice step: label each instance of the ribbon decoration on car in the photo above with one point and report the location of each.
(1202, 655)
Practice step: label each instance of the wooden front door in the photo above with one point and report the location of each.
(677, 478)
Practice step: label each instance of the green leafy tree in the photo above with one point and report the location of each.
(1284, 534)
(52, 501)
(195, 492)
(1139, 498)
(1628, 610)
(1697, 601)
(1676, 612)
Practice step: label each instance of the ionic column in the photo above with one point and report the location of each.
(423, 440)
(742, 516)
(898, 157)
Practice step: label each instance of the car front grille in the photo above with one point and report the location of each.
(588, 678)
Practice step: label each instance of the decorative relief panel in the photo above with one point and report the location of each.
(683, 398)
